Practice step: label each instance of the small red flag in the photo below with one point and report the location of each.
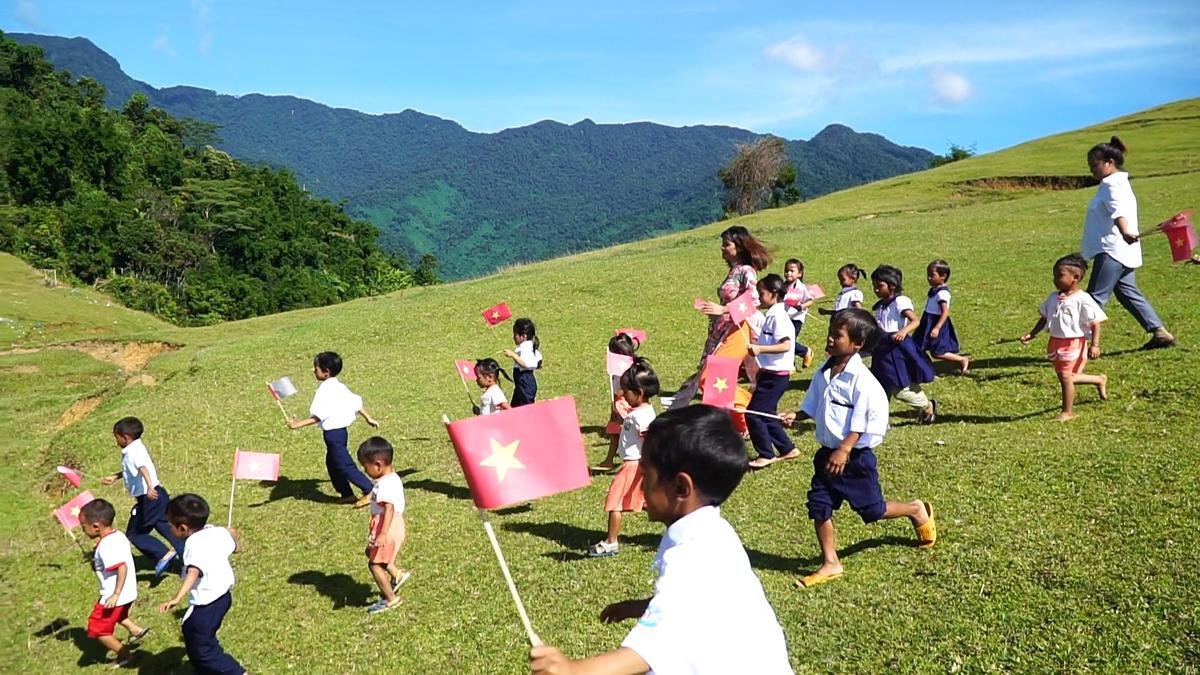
(636, 334)
(73, 477)
(68, 514)
(465, 368)
(720, 381)
(497, 314)
(617, 364)
(742, 306)
(815, 291)
(255, 465)
(521, 454)
(1181, 235)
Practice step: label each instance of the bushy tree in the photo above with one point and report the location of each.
(955, 153)
(754, 174)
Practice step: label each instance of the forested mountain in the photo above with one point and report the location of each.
(123, 200)
(478, 201)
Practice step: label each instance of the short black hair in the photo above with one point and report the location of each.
(860, 325)
(640, 377)
(129, 426)
(1072, 260)
(330, 362)
(188, 509)
(375, 448)
(98, 511)
(940, 266)
(698, 440)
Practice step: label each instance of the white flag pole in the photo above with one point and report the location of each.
(744, 411)
(534, 641)
(232, 490)
(278, 402)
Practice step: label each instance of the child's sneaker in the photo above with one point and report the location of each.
(603, 549)
(397, 583)
(160, 567)
(382, 605)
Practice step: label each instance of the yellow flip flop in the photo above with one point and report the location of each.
(817, 579)
(927, 533)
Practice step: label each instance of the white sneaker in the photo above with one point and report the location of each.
(603, 549)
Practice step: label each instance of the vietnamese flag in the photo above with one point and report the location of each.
(73, 477)
(815, 291)
(636, 334)
(1181, 235)
(741, 307)
(497, 314)
(521, 454)
(255, 465)
(720, 381)
(68, 514)
(465, 368)
(617, 364)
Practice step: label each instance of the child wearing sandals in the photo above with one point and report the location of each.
(387, 533)
(936, 334)
(113, 563)
(896, 362)
(639, 384)
(849, 409)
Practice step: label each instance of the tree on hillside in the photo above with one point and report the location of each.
(955, 153)
(756, 173)
(426, 272)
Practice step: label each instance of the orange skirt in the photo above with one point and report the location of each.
(625, 493)
(1069, 355)
(387, 544)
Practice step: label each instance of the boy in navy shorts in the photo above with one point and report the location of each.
(850, 411)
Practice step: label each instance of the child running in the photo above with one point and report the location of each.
(639, 384)
(621, 345)
(387, 533)
(708, 613)
(936, 334)
(526, 358)
(848, 276)
(487, 374)
(896, 362)
(113, 562)
(1071, 314)
(797, 299)
(774, 351)
(849, 410)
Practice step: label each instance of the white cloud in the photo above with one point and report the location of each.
(162, 45)
(27, 11)
(950, 88)
(799, 54)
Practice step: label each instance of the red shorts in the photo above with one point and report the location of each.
(103, 621)
(1069, 355)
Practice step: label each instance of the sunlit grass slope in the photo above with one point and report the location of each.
(1064, 547)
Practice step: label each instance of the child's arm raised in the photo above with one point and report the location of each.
(1037, 328)
(193, 575)
(368, 419)
(547, 660)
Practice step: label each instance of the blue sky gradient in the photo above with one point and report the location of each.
(987, 75)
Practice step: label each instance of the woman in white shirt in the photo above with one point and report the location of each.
(1110, 241)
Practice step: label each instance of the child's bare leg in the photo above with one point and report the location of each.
(383, 581)
(1101, 382)
(827, 538)
(1067, 380)
(914, 511)
(964, 362)
(394, 571)
(614, 527)
(610, 459)
(114, 645)
(130, 626)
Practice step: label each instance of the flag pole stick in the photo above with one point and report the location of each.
(512, 587)
(71, 534)
(232, 489)
(744, 411)
(467, 390)
(279, 402)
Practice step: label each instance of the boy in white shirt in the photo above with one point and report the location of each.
(113, 562)
(334, 408)
(207, 583)
(708, 613)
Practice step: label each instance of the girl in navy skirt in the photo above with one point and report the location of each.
(896, 361)
(526, 359)
(936, 334)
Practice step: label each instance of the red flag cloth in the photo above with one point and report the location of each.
(741, 307)
(636, 334)
(465, 368)
(1182, 240)
(617, 364)
(68, 514)
(255, 465)
(73, 477)
(497, 314)
(1183, 218)
(815, 291)
(720, 381)
(521, 454)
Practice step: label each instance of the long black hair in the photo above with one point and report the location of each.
(491, 367)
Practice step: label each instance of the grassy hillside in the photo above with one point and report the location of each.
(1064, 547)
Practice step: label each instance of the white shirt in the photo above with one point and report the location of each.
(388, 489)
(933, 303)
(113, 552)
(1114, 199)
(776, 329)
(134, 457)
(709, 613)
(633, 429)
(891, 316)
(853, 401)
(797, 294)
(1072, 316)
(490, 402)
(335, 405)
(208, 551)
(531, 356)
(847, 297)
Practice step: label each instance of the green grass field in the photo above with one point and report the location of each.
(1063, 547)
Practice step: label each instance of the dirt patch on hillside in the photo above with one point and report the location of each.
(141, 379)
(129, 356)
(78, 410)
(1024, 183)
(24, 369)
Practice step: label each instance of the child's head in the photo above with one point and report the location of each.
(793, 270)
(937, 272)
(692, 457)
(187, 514)
(1068, 272)
(523, 329)
(127, 430)
(739, 247)
(96, 517)
(623, 344)
(327, 365)
(887, 280)
(487, 372)
(375, 454)
(771, 289)
(849, 274)
(639, 383)
(851, 330)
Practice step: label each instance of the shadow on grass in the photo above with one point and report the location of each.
(440, 487)
(597, 429)
(90, 650)
(991, 419)
(166, 661)
(1008, 361)
(513, 510)
(343, 589)
(762, 560)
(575, 538)
(306, 489)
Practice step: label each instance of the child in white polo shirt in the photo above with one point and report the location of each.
(775, 351)
(113, 562)
(207, 583)
(708, 613)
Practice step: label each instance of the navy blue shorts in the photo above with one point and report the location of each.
(858, 484)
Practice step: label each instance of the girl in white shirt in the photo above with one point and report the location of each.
(896, 362)
(526, 358)
(797, 299)
(775, 351)
(848, 276)
(487, 373)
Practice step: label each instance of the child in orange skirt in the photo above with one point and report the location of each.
(639, 384)
(622, 345)
(386, 534)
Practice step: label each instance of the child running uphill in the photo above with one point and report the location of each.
(774, 352)
(797, 299)
(936, 334)
(386, 533)
(896, 362)
(707, 599)
(848, 276)
(334, 408)
(639, 384)
(526, 358)
(113, 562)
(487, 372)
(1071, 314)
(849, 409)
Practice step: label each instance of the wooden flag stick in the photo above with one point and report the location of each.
(756, 412)
(466, 389)
(534, 641)
(279, 402)
(71, 534)
(232, 489)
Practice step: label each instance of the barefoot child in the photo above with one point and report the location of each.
(773, 350)
(113, 562)
(639, 384)
(334, 408)
(936, 334)
(386, 534)
(708, 613)
(850, 411)
(896, 362)
(622, 345)
(1071, 314)
(487, 372)
(797, 299)
(848, 276)
(526, 358)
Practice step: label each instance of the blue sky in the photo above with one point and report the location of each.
(923, 73)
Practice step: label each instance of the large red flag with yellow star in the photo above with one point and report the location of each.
(720, 380)
(521, 454)
(68, 514)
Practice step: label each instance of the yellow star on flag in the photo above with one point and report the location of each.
(254, 465)
(74, 511)
(721, 385)
(1180, 241)
(741, 308)
(495, 315)
(503, 458)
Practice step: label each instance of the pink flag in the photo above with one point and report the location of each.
(68, 514)
(465, 368)
(73, 477)
(639, 335)
(617, 364)
(741, 307)
(255, 465)
(815, 291)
